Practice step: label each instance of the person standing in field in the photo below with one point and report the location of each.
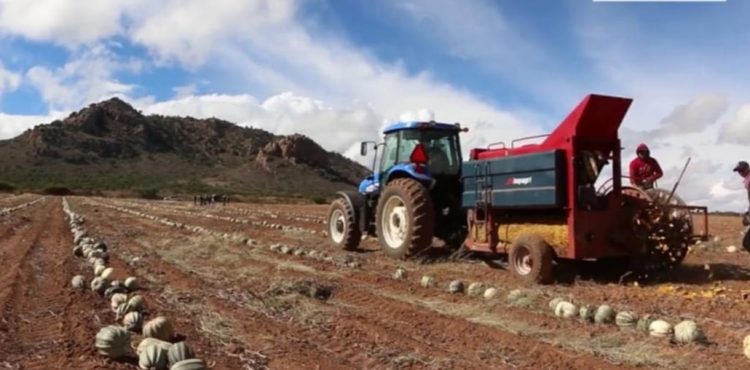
(644, 169)
(743, 169)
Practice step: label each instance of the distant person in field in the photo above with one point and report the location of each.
(644, 169)
(743, 169)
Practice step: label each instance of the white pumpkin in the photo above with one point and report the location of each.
(117, 299)
(566, 310)
(626, 319)
(78, 282)
(149, 342)
(660, 328)
(746, 346)
(427, 281)
(553, 303)
(98, 269)
(136, 303)
(99, 285)
(515, 295)
(159, 328)
(191, 364)
(688, 332)
(179, 351)
(131, 283)
(491, 293)
(133, 321)
(586, 313)
(113, 341)
(153, 358)
(604, 314)
(400, 274)
(108, 273)
(475, 289)
(456, 286)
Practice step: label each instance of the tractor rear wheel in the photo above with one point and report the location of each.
(531, 259)
(342, 225)
(405, 218)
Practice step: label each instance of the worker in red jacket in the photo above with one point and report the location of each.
(644, 169)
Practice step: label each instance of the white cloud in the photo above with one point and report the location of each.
(13, 125)
(65, 22)
(737, 130)
(9, 80)
(85, 78)
(696, 115)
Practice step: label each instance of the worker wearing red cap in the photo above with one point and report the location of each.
(644, 169)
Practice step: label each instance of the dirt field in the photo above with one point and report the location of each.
(257, 286)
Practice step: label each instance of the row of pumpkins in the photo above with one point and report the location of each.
(155, 351)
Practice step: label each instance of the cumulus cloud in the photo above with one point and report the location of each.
(9, 80)
(694, 116)
(737, 130)
(86, 77)
(13, 125)
(65, 22)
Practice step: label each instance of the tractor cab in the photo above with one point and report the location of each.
(417, 170)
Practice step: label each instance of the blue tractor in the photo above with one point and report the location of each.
(412, 195)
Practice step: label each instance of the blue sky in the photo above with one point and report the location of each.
(338, 71)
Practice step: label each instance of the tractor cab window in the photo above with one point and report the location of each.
(441, 147)
(390, 152)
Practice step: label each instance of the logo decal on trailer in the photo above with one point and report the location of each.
(518, 181)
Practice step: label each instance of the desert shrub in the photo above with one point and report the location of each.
(149, 193)
(57, 190)
(319, 200)
(6, 188)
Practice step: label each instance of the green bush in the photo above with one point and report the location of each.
(57, 190)
(148, 193)
(7, 188)
(319, 200)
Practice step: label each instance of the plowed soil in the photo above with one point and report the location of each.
(241, 305)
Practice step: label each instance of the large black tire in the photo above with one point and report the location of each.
(746, 240)
(342, 225)
(419, 217)
(531, 259)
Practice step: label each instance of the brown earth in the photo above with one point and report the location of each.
(241, 305)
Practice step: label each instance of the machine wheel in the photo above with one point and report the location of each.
(405, 218)
(342, 225)
(746, 240)
(531, 258)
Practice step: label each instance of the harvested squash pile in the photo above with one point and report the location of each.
(9, 210)
(155, 350)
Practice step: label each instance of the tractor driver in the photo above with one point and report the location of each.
(644, 169)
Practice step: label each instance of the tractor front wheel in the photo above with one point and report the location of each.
(405, 218)
(342, 225)
(531, 259)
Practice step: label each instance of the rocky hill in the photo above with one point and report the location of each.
(110, 146)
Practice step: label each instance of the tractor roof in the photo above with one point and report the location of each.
(412, 125)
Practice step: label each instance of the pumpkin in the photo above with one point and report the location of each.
(644, 323)
(112, 290)
(400, 274)
(131, 283)
(149, 342)
(132, 321)
(107, 273)
(118, 299)
(604, 314)
(98, 285)
(191, 364)
(427, 281)
(490, 293)
(113, 341)
(625, 319)
(159, 328)
(566, 310)
(101, 246)
(475, 288)
(78, 251)
(78, 282)
(153, 358)
(660, 328)
(746, 346)
(136, 303)
(586, 313)
(456, 286)
(117, 283)
(98, 269)
(515, 295)
(179, 351)
(687, 332)
(553, 303)
(99, 261)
